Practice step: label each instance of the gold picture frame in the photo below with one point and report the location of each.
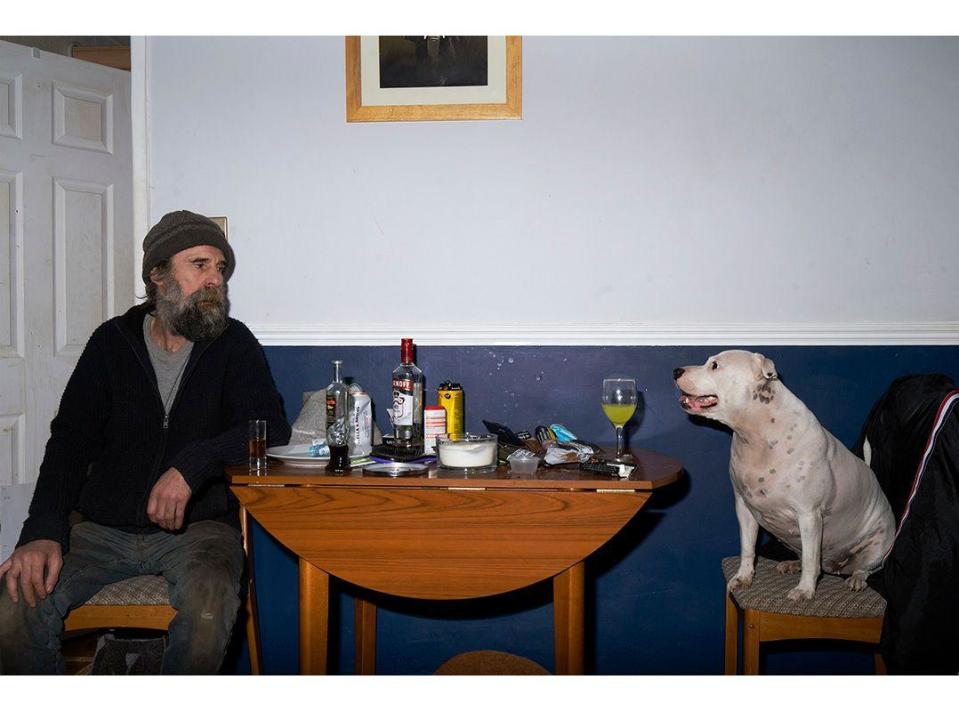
(444, 104)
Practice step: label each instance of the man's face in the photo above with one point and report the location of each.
(192, 301)
(198, 267)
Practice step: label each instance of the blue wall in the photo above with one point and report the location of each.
(655, 592)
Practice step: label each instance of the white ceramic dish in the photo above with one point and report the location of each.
(297, 456)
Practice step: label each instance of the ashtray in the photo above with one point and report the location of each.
(467, 452)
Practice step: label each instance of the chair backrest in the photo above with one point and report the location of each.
(137, 602)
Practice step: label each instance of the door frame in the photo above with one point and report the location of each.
(142, 150)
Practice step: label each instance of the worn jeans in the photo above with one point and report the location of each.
(201, 564)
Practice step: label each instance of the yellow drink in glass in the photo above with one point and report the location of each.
(619, 413)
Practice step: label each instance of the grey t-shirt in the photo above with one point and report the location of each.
(168, 366)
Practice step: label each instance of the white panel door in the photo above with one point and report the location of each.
(66, 252)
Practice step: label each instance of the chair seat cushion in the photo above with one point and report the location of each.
(135, 591)
(833, 598)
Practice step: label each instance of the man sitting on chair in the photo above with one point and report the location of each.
(159, 401)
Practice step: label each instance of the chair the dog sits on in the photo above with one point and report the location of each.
(835, 613)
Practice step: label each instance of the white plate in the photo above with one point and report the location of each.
(297, 456)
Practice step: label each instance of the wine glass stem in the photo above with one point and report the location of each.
(619, 441)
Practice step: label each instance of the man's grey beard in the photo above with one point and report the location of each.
(200, 316)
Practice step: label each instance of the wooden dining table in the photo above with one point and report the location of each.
(442, 535)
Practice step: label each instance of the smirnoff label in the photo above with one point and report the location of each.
(403, 401)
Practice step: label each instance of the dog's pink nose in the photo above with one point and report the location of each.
(677, 372)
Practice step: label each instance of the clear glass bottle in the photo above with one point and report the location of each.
(337, 422)
(408, 399)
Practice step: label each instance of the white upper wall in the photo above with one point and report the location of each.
(654, 187)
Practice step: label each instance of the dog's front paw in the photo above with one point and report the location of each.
(739, 581)
(801, 593)
(857, 582)
(789, 567)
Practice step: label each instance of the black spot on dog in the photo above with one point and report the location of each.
(762, 479)
(772, 471)
(765, 393)
(790, 451)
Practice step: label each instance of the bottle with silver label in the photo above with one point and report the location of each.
(361, 422)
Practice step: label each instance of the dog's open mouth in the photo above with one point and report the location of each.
(697, 403)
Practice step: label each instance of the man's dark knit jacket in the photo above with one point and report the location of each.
(111, 440)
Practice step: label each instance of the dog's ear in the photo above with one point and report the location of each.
(764, 368)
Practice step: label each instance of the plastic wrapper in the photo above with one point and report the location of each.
(319, 448)
(559, 453)
(562, 433)
(310, 425)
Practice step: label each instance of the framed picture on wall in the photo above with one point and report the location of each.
(433, 78)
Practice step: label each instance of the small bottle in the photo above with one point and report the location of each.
(361, 422)
(337, 422)
(408, 400)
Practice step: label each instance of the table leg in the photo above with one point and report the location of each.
(568, 594)
(364, 630)
(314, 618)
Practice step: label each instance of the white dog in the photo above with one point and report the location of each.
(789, 474)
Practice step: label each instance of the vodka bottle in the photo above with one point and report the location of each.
(408, 399)
(337, 422)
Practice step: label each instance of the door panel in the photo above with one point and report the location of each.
(66, 245)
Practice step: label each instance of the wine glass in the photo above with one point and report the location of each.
(619, 404)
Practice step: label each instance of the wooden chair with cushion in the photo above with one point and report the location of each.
(137, 602)
(143, 602)
(834, 613)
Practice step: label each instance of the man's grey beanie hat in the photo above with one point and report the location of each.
(181, 230)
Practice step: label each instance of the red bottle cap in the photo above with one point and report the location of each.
(406, 350)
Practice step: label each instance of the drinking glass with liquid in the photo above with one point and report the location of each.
(619, 404)
(257, 446)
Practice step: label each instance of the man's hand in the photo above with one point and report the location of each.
(168, 500)
(27, 565)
